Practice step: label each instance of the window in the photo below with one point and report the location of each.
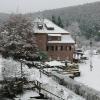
(49, 38)
(52, 48)
(40, 26)
(56, 48)
(66, 48)
(70, 48)
(61, 48)
(47, 48)
(59, 38)
(54, 38)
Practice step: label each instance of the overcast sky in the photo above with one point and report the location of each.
(25, 6)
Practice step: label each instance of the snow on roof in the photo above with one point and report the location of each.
(54, 34)
(47, 23)
(54, 63)
(64, 39)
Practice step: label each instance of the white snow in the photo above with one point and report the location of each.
(67, 38)
(57, 31)
(49, 84)
(55, 63)
(90, 78)
(54, 34)
(35, 75)
(61, 91)
(47, 22)
(26, 96)
(11, 68)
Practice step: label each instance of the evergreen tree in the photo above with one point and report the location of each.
(60, 22)
(54, 19)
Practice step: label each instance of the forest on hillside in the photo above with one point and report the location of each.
(80, 20)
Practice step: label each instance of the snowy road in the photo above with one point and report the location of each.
(90, 78)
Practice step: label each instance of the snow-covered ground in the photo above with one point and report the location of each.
(26, 96)
(90, 78)
(48, 84)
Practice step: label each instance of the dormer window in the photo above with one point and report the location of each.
(40, 26)
(54, 37)
(49, 27)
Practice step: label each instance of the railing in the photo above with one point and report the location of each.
(41, 89)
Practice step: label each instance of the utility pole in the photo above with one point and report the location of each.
(91, 51)
(21, 69)
(21, 84)
(41, 67)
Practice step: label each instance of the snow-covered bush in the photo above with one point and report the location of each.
(12, 69)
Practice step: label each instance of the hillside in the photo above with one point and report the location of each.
(81, 20)
(3, 17)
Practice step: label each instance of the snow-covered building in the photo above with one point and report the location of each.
(56, 41)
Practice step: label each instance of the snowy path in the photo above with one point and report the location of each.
(90, 78)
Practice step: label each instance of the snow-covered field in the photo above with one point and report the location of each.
(90, 78)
